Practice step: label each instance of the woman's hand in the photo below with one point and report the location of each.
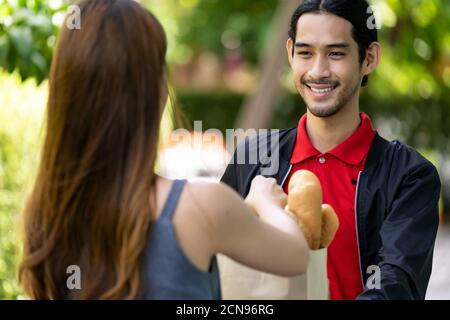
(265, 192)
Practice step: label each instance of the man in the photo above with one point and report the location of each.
(385, 193)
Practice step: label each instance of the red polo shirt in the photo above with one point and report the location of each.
(338, 171)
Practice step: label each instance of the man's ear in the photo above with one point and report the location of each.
(373, 57)
(289, 48)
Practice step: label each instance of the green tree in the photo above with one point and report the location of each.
(27, 34)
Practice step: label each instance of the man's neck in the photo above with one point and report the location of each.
(327, 133)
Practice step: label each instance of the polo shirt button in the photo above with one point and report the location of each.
(322, 160)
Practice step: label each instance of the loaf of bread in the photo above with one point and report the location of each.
(318, 221)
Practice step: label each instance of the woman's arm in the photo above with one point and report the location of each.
(272, 242)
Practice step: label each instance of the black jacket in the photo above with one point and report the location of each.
(396, 209)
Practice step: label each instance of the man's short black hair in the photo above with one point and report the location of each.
(356, 12)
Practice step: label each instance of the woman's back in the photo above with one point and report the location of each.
(168, 272)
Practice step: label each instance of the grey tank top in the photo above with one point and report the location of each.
(168, 273)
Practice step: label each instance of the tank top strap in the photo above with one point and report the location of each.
(172, 199)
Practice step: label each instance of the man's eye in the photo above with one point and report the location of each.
(304, 53)
(337, 54)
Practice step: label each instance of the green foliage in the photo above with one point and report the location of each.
(416, 49)
(212, 25)
(27, 36)
(20, 115)
(222, 108)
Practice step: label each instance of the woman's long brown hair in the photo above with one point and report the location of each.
(93, 198)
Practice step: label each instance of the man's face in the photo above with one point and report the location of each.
(326, 66)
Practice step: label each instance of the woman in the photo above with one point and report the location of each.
(97, 202)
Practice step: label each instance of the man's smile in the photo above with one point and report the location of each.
(321, 90)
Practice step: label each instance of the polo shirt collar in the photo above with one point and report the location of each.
(353, 150)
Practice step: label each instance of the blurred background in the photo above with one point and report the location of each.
(228, 69)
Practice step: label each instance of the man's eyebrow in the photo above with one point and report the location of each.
(338, 45)
(302, 45)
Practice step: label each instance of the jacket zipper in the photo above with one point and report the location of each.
(357, 233)
(287, 174)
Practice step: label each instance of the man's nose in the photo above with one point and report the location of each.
(320, 68)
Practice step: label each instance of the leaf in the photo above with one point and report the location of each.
(41, 23)
(22, 38)
(4, 49)
(39, 61)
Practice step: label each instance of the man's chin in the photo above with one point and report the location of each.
(323, 111)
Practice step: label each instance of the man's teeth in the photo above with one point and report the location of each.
(321, 90)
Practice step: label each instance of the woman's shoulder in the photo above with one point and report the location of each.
(211, 194)
(216, 203)
(206, 186)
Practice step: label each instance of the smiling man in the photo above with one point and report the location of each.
(384, 193)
